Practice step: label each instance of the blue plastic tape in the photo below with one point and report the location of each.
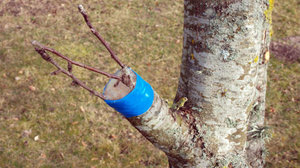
(137, 102)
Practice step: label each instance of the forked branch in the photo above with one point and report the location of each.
(46, 57)
(37, 44)
(41, 49)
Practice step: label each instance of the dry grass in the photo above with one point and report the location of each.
(78, 130)
(283, 94)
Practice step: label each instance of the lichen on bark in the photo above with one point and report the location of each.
(224, 38)
(223, 75)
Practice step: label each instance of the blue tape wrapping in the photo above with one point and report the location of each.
(137, 102)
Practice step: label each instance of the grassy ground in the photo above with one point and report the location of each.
(46, 122)
(283, 94)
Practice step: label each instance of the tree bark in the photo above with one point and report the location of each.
(223, 78)
(223, 75)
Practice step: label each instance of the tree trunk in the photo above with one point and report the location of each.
(223, 75)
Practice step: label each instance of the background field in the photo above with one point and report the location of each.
(46, 122)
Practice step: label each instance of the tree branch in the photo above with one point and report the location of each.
(37, 44)
(168, 131)
(46, 57)
(93, 30)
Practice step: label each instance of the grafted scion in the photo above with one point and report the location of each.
(93, 30)
(124, 77)
(46, 57)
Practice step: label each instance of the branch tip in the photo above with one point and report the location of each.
(93, 30)
(81, 9)
(33, 42)
(36, 44)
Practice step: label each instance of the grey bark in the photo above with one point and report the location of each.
(223, 75)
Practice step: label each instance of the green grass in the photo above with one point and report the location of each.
(283, 113)
(76, 129)
(283, 93)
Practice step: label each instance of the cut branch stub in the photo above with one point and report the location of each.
(129, 101)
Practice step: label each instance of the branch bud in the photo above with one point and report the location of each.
(81, 9)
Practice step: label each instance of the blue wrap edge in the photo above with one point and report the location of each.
(135, 103)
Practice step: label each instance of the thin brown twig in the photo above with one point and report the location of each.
(93, 30)
(38, 45)
(56, 72)
(46, 57)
